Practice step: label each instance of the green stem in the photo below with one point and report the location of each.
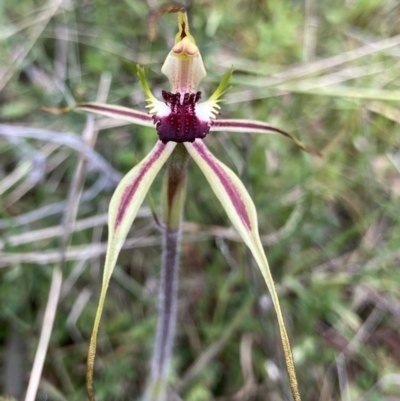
(173, 197)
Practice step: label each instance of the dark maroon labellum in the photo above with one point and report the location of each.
(182, 124)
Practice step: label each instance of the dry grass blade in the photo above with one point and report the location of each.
(66, 139)
(19, 57)
(313, 67)
(54, 208)
(47, 328)
(21, 171)
(390, 112)
(343, 379)
(328, 63)
(215, 348)
(352, 347)
(89, 138)
(75, 252)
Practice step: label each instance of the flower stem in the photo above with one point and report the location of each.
(173, 197)
(167, 317)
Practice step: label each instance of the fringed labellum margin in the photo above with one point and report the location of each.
(182, 124)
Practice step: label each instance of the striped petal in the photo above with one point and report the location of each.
(241, 211)
(123, 208)
(108, 110)
(257, 127)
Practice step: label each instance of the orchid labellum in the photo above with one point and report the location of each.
(182, 122)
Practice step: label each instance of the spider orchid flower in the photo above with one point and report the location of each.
(182, 123)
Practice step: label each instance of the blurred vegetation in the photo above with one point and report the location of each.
(322, 70)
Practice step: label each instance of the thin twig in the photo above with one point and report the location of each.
(193, 232)
(54, 208)
(79, 252)
(68, 139)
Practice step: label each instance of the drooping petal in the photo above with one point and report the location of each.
(108, 110)
(241, 211)
(123, 208)
(258, 127)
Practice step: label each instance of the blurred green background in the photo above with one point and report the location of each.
(325, 71)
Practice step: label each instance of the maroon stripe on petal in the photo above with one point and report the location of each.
(123, 113)
(260, 127)
(227, 183)
(247, 125)
(131, 189)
